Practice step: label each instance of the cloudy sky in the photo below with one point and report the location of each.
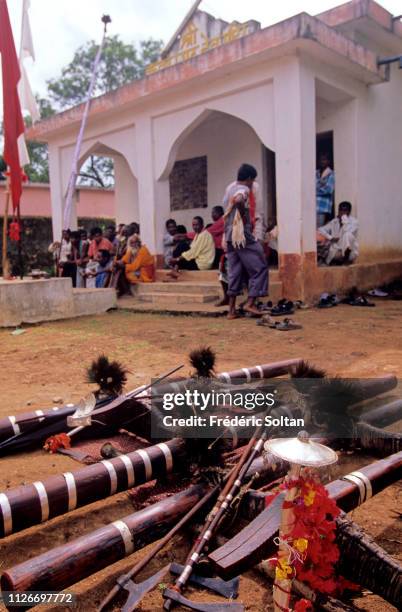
(61, 26)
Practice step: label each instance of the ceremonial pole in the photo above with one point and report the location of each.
(20, 258)
(5, 263)
(299, 452)
(74, 169)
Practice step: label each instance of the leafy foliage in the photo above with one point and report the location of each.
(37, 170)
(97, 172)
(120, 63)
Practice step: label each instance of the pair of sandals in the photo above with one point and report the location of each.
(358, 301)
(285, 325)
(328, 300)
(378, 293)
(283, 307)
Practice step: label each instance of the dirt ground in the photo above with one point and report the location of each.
(47, 363)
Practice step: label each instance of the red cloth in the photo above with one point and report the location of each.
(252, 207)
(216, 230)
(12, 116)
(14, 231)
(94, 247)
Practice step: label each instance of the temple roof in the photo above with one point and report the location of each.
(321, 34)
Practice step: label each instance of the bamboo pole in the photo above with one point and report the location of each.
(376, 439)
(74, 167)
(138, 567)
(28, 505)
(5, 262)
(11, 425)
(64, 565)
(365, 562)
(256, 541)
(20, 257)
(282, 587)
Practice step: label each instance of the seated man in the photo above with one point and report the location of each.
(216, 229)
(97, 272)
(169, 241)
(104, 269)
(341, 237)
(138, 263)
(201, 254)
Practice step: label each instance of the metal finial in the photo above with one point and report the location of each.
(303, 436)
(105, 20)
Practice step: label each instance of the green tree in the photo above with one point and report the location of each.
(120, 63)
(37, 170)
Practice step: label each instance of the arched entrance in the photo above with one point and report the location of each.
(204, 159)
(115, 173)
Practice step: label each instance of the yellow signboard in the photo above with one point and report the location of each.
(194, 42)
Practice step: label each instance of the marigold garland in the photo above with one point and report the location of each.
(313, 538)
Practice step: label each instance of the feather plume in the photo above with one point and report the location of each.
(110, 376)
(203, 361)
(305, 370)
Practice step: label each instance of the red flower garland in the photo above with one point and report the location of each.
(53, 443)
(14, 231)
(314, 535)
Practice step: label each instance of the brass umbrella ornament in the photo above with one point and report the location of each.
(299, 452)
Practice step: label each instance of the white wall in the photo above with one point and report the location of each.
(126, 192)
(368, 157)
(379, 168)
(227, 142)
(294, 88)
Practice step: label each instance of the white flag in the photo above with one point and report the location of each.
(23, 151)
(27, 99)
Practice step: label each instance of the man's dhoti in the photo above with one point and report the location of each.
(247, 263)
(337, 250)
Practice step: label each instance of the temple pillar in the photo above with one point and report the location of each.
(295, 142)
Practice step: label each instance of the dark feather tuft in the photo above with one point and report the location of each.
(330, 402)
(203, 361)
(305, 370)
(110, 376)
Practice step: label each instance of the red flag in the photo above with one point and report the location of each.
(12, 116)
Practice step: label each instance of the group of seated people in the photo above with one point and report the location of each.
(200, 249)
(117, 258)
(110, 258)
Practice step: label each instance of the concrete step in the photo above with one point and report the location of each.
(132, 304)
(93, 301)
(189, 293)
(204, 275)
(180, 286)
(169, 298)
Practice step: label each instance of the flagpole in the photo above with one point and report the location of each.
(5, 263)
(74, 169)
(20, 258)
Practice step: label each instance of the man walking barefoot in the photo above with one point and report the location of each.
(246, 259)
